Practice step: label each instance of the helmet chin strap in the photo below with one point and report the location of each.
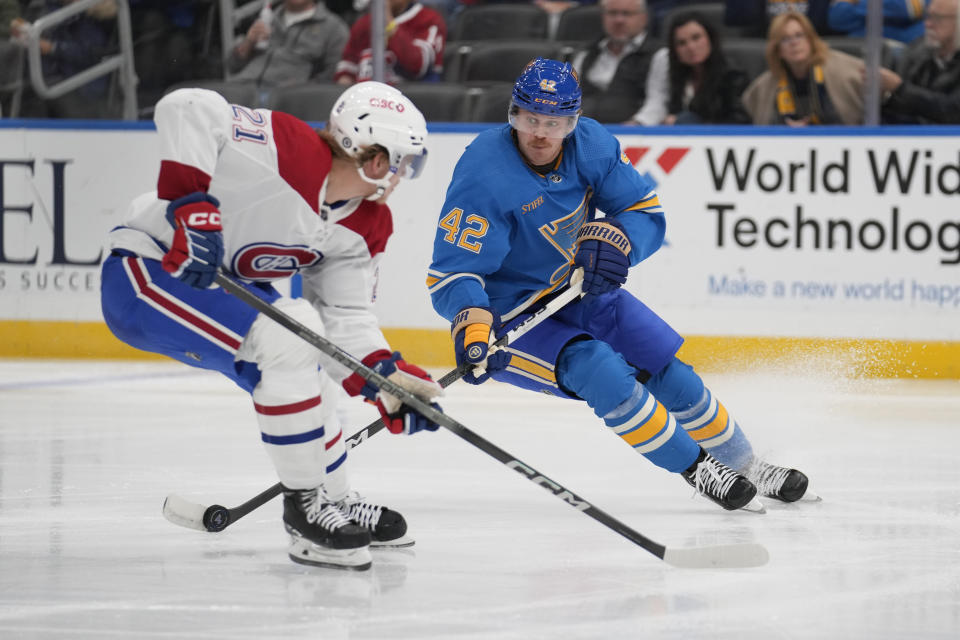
(382, 184)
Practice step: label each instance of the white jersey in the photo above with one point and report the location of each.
(269, 171)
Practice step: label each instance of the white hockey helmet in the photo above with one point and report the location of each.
(374, 113)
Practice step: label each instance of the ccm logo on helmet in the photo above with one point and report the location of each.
(384, 103)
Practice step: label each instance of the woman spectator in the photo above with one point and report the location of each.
(807, 82)
(690, 80)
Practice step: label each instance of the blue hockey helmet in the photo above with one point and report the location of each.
(550, 88)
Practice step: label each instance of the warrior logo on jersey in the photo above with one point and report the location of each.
(269, 261)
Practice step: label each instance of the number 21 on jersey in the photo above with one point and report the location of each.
(464, 232)
(249, 126)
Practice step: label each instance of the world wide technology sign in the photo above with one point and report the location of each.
(806, 236)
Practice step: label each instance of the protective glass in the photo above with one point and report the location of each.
(540, 125)
(411, 165)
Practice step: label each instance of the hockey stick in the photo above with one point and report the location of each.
(732, 555)
(216, 517)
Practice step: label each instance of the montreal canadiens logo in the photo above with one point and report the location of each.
(268, 261)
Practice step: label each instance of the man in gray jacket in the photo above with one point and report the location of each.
(299, 42)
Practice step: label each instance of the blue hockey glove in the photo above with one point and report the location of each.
(603, 251)
(197, 248)
(472, 330)
(398, 417)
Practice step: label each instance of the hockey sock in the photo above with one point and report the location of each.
(599, 375)
(293, 400)
(336, 485)
(291, 418)
(701, 414)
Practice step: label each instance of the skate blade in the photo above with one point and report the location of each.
(754, 506)
(302, 551)
(397, 543)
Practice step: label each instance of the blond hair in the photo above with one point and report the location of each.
(819, 48)
(365, 154)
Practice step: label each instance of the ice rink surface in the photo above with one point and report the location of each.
(89, 450)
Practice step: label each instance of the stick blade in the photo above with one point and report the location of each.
(184, 513)
(724, 556)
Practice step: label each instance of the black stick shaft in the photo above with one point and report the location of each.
(267, 495)
(368, 431)
(425, 409)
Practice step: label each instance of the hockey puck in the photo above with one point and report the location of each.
(216, 518)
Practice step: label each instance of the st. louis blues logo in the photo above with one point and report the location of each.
(269, 261)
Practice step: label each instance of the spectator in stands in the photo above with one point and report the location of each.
(613, 70)
(690, 80)
(301, 41)
(67, 49)
(755, 15)
(902, 19)
(9, 11)
(9, 51)
(414, 49)
(927, 89)
(168, 40)
(807, 82)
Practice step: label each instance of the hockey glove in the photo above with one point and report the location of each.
(603, 251)
(197, 248)
(472, 330)
(398, 417)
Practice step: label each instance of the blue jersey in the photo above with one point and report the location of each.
(506, 235)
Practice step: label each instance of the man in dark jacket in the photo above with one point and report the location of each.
(613, 70)
(927, 89)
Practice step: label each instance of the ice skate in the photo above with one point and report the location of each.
(721, 484)
(321, 533)
(781, 483)
(387, 527)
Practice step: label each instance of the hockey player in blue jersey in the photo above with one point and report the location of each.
(521, 214)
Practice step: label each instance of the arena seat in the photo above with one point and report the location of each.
(439, 101)
(503, 60)
(499, 22)
(715, 12)
(490, 102)
(308, 101)
(583, 23)
(747, 54)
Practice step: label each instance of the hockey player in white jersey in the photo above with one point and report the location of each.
(262, 196)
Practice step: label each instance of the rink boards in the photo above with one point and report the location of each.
(838, 246)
